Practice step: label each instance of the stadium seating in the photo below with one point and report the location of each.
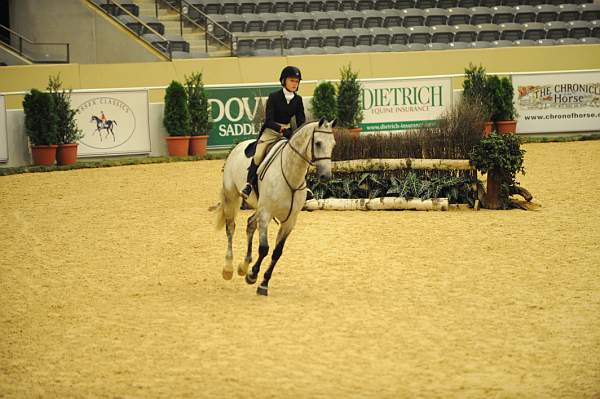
(333, 26)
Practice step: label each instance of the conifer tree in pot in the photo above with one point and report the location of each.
(476, 91)
(504, 113)
(177, 119)
(41, 126)
(67, 131)
(323, 102)
(199, 108)
(349, 113)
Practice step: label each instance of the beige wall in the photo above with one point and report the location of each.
(316, 67)
(93, 36)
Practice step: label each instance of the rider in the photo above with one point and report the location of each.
(282, 105)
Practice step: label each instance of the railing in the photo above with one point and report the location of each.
(39, 53)
(164, 49)
(209, 25)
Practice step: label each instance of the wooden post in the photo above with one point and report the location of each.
(494, 183)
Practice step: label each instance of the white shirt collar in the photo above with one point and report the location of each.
(288, 95)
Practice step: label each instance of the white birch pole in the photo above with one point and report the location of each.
(377, 204)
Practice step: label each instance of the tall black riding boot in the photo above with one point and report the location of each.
(250, 180)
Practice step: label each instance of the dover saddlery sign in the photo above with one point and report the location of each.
(557, 102)
(396, 105)
(3, 133)
(113, 122)
(235, 113)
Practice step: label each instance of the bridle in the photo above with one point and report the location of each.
(310, 162)
(311, 143)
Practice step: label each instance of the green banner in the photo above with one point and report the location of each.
(236, 113)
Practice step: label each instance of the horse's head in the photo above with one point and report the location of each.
(94, 118)
(322, 147)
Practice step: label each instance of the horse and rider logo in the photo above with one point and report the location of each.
(107, 122)
(103, 123)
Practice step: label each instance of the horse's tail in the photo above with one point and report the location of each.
(226, 210)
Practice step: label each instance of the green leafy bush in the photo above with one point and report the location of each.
(176, 115)
(67, 130)
(198, 106)
(349, 112)
(502, 155)
(324, 102)
(41, 121)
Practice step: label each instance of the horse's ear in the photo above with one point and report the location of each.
(334, 122)
(321, 121)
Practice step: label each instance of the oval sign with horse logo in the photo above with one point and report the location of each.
(110, 122)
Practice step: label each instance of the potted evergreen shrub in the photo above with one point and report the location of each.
(504, 113)
(177, 120)
(323, 102)
(501, 157)
(199, 114)
(476, 91)
(349, 113)
(41, 125)
(67, 131)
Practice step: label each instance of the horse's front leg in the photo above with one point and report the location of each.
(250, 229)
(228, 268)
(263, 248)
(284, 231)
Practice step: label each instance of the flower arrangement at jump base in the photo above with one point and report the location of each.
(428, 164)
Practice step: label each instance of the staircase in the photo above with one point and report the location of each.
(191, 34)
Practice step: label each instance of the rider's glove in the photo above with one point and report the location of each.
(288, 133)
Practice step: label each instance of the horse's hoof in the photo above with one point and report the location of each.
(243, 269)
(261, 290)
(249, 279)
(227, 274)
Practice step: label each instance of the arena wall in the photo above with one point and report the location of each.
(155, 76)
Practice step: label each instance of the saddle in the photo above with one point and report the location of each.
(250, 150)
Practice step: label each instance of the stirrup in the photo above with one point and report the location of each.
(246, 191)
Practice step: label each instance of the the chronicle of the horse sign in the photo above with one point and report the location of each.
(112, 123)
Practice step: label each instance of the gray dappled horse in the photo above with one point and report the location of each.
(282, 192)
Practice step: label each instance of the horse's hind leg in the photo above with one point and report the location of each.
(228, 268)
(282, 235)
(263, 248)
(250, 229)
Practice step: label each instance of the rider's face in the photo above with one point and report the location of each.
(291, 84)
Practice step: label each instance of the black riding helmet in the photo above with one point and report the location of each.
(289, 72)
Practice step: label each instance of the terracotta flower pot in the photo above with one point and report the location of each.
(487, 129)
(66, 154)
(198, 145)
(355, 131)
(43, 154)
(178, 145)
(506, 127)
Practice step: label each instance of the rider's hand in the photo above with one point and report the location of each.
(288, 133)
